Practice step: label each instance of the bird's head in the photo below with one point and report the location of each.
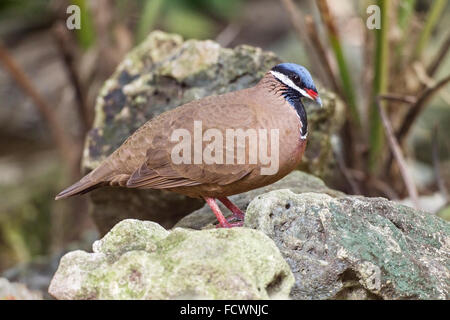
(297, 78)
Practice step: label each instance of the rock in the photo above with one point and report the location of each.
(352, 247)
(296, 181)
(337, 247)
(17, 291)
(141, 260)
(162, 73)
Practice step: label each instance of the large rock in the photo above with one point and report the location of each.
(337, 246)
(297, 181)
(346, 247)
(141, 260)
(353, 247)
(163, 73)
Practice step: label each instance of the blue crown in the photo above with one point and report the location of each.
(289, 69)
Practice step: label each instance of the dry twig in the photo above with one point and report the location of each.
(384, 187)
(397, 152)
(345, 171)
(436, 165)
(442, 52)
(414, 111)
(227, 35)
(297, 21)
(314, 36)
(378, 184)
(399, 98)
(66, 146)
(417, 108)
(66, 50)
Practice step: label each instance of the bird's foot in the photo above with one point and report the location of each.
(235, 220)
(223, 222)
(237, 213)
(228, 224)
(236, 216)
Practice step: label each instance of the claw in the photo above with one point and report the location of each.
(223, 222)
(230, 224)
(237, 213)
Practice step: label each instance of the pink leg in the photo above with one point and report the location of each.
(237, 213)
(223, 223)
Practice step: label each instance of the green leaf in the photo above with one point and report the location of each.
(151, 12)
(380, 85)
(405, 10)
(189, 23)
(432, 19)
(86, 34)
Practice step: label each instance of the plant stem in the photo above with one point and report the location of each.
(380, 86)
(404, 14)
(440, 57)
(418, 107)
(432, 18)
(333, 37)
(406, 8)
(86, 34)
(397, 152)
(67, 147)
(149, 16)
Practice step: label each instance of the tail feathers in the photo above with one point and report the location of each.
(86, 184)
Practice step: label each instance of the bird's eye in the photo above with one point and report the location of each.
(296, 78)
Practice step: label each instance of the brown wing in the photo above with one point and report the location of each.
(220, 113)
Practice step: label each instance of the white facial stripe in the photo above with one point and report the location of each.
(283, 78)
(291, 84)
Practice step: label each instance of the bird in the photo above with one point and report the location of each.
(161, 154)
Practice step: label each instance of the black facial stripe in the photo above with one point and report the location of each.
(294, 77)
(293, 97)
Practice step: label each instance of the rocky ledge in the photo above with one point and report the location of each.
(300, 239)
(141, 260)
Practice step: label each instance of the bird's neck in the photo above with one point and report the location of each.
(292, 96)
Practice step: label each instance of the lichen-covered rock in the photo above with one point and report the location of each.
(141, 260)
(296, 181)
(352, 247)
(162, 73)
(17, 291)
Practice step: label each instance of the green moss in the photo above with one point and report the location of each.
(216, 263)
(392, 250)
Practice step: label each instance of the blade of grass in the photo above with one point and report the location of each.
(14, 239)
(150, 13)
(380, 86)
(404, 13)
(86, 34)
(333, 38)
(405, 10)
(432, 18)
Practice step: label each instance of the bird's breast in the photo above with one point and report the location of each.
(281, 115)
